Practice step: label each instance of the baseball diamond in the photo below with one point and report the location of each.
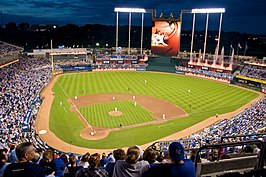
(164, 93)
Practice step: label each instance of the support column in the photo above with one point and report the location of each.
(129, 32)
(206, 35)
(192, 38)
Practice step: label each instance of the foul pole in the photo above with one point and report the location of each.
(52, 57)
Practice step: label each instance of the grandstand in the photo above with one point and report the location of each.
(9, 53)
(38, 71)
(252, 75)
(120, 62)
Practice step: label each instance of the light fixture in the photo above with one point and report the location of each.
(209, 10)
(135, 10)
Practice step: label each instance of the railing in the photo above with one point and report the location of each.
(250, 160)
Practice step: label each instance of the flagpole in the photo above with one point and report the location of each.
(231, 46)
(238, 47)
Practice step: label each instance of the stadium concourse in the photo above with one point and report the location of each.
(20, 87)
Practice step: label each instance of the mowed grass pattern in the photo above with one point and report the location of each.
(97, 114)
(206, 97)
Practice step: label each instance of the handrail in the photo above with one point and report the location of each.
(242, 135)
(223, 145)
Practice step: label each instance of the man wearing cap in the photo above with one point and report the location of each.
(178, 167)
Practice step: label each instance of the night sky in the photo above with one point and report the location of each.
(241, 15)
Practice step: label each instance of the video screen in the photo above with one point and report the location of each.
(165, 38)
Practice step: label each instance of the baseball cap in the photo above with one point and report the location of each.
(176, 151)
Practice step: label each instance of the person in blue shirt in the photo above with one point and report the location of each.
(25, 153)
(60, 165)
(178, 167)
(3, 160)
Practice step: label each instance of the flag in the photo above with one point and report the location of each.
(239, 46)
(216, 54)
(246, 46)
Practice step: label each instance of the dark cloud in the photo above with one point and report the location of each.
(243, 16)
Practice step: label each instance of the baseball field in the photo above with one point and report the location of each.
(128, 108)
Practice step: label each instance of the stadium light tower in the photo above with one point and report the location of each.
(204, 11)
(130, 11)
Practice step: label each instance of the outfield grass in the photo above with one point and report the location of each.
(206, 97)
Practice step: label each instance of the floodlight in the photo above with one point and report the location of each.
(135, 10)
(208, 10)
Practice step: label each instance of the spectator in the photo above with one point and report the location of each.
(73, 169)
(131, 167)
(47, 163)
(25, 153)
(12, 155)
(178, 167)
(3, 160)
(103, 161)
(160, 158)
(214, 156)
(84, 160)
(36, 158)
(193, 155)
(94, 169)
(149, 155)
(60, 165)
(119, 154)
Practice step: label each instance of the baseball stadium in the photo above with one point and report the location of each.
(80, 101)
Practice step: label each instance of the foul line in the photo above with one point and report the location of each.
(64, 108)
(71, 102)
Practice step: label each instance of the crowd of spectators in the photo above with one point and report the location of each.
(254, 72)
(245, 123)
(205, 72)
(8, 52)
(6, 49)
(20, 84)
(115, 57)
(133, 163)
(123, 66)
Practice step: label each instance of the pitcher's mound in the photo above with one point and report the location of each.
(115, 113)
